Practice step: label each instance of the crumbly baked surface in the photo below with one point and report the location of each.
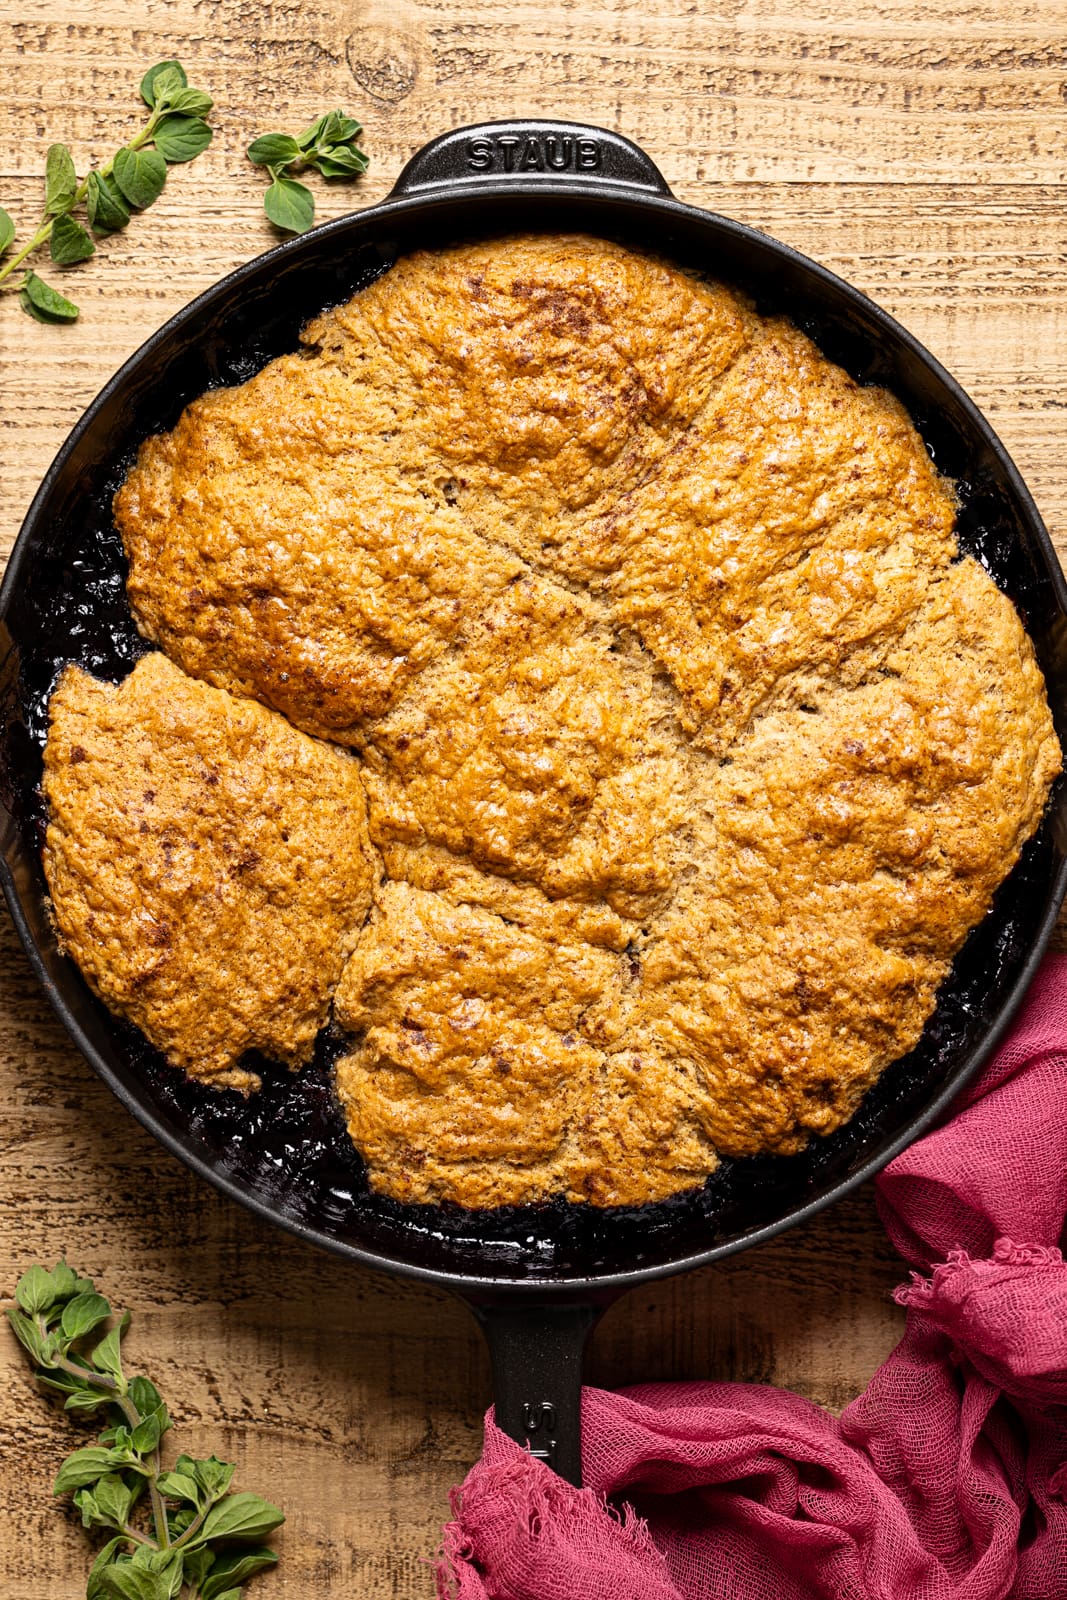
(208, 865)
(693, 749)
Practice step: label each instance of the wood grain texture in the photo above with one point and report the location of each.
(917, 149)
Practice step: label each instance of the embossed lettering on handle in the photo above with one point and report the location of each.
(534, 152)
(536, 1350)
(539, 1421)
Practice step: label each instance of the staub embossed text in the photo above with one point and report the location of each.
(546, 152)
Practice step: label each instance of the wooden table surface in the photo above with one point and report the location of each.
(914, 146)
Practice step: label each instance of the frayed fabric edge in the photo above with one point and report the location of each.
(920, 1290)
(541, 1501)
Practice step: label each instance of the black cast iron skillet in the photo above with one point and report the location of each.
(536, 1277)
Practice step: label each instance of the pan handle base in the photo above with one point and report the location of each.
(536, 1353)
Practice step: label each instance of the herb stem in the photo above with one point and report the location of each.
(159, 1510)
(136, 1535)
(103, 1380)
(194, 1527)
(96, 1380)
(44, 232)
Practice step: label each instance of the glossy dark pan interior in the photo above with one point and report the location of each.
(285, 1154)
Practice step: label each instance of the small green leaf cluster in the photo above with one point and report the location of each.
(174, 1533)
(329, 145)
(132, 180)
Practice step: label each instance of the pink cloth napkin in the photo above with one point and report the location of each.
(945, 1480)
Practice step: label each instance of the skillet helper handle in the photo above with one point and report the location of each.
(536, 1353)
(534, 152)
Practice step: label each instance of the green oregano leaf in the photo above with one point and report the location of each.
(95, 1589)
(342, 162)
(113, 1499)
(70, 242)
(82, 1314)
(344, 129)
(178, 1486)
(338, 129)
(164, 1567)
(107, 1357)
(44, 303)
(310, 135)
(144, 1395)
(64, 1281)
(7, 232)
(146, 1435)
(60, 182)
(128, 1582)
(179, 1521)
(215, 1475)
(289, 205)
(26, 1333)
(230, 1570)
(182, 138)
(333, 128)
(86, 1400)
(239, 1517)
(151, 1560)
(273, 150)
(85, 1502)
(190, 102)
(198, 1563)
(83, 1467)
(162, 80)
(140, 174)
(35, 1290)
(105, 205)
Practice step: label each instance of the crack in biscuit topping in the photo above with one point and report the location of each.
(692, 748)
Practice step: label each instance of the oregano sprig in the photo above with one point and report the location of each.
(330, 146)
(173, 1533)
(176, 131)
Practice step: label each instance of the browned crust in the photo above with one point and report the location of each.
(692, 747)
(208, 865)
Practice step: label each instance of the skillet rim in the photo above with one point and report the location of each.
(603, 197)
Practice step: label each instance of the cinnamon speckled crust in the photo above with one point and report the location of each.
(482, 1066)
(540, 751)
(798, 519)
(693, 749)
(276, 551)
(845, 849)
(208, 865)
(548, 371)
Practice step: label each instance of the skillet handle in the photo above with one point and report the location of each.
(536, 1352)
(533, 151)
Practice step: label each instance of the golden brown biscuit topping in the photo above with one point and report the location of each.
(693, 750)
(208, 865)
